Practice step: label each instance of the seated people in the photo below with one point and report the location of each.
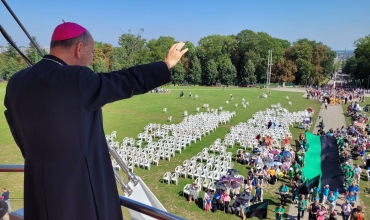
(245, 209)
(236, 206)
(194, 192)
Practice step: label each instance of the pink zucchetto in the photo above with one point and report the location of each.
(66, 31)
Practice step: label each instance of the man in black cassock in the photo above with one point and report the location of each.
(54, 114)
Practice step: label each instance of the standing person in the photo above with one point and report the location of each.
(326, 104)
(5, 197)
(302, 207)
(225, 200)
(279, 212)
(358, 214)
(321, 213)
(358, 172)
(332, 199)
(325, 194)
(55, 116)
(258, 193)
(313, 208)
(346, 210)
(284, 191)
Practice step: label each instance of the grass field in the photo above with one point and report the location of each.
(128, 118)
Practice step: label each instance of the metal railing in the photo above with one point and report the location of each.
(126, 202)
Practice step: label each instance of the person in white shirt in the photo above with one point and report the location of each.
(346, 210)
(358, 172)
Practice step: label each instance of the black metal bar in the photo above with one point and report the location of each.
(24, 29)
(11, 168)
(148, 210)
(11, 42)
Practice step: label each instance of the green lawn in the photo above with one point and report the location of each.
(128, 118)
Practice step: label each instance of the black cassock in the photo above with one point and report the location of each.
(54, 114)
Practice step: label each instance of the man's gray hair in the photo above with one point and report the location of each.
(67, 44)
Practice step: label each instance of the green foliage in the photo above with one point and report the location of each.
(32, 53)
(99, 66)
(11, 67)
(177, 74)
(362, 53)
(195, 70)
(11, 52)
(158, 48)
(350, 66)
(227, 71)
(133, 48)
(210, 73)
(304, 70)
(215, 47)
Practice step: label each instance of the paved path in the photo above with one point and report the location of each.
(333, 118)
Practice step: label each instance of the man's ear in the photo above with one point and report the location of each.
(79, 49)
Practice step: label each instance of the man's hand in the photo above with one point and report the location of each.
(174, 54)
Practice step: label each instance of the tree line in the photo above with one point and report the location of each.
(239, 59)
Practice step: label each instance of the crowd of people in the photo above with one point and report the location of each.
(285, 166)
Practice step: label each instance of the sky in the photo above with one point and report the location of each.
(336, 23)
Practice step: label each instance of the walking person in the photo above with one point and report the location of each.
(284, 191)
(302, 206)
(279, 212)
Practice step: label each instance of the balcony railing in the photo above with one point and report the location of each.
(126, 202)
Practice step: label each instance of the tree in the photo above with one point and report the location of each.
(210, 73)
(247, 74)
(11, 67)
(99, 66)
(159, 48)
(362, 53)
(133, 48)
(177, 74)
(284, 71)
(227, 71)
(215, 47)
(350, 66)
(195, 71)
(304, 71)
(11, 52)
(32, 53)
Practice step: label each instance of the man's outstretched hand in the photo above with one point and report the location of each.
(174, 54)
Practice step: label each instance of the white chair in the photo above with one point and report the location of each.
(165, 110)
(186, 163)
(287, 97)
(175, 178)
(178, 169)
(290, 103)
(368, 175)
(205, 184)
(186, 189)
(184, 172)
(147, 164)
(130, 166)
(167, 177)
(156, 160)
(212, 186)
(169, 118)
